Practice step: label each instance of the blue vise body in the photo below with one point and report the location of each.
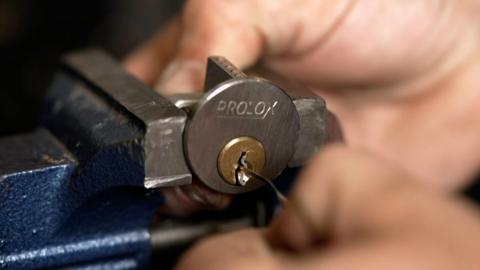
(72, 192)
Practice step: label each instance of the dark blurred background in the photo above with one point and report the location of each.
(34, 34)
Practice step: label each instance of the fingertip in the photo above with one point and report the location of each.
(219, 27)
(339, 184)
(213, 27)
(148, 61)
(303, 221)
(182, 76)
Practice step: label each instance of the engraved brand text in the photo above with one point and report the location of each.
(246, 109)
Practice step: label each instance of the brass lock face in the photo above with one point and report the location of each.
(229, 158)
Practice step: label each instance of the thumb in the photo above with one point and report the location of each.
(342, 192)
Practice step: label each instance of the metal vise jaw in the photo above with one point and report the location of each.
(177, 138)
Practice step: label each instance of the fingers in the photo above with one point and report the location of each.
(174, 61)
(185, 200)
(346, 195)
(213, 27)
(238, 250)
(148, 61)
(316, 42)
(340, 193)
(242, 31)
(371, 215)
(399, 254)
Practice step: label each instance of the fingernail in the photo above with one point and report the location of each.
(181, 76)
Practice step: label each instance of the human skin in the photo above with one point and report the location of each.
(358, 214)
(402, 77)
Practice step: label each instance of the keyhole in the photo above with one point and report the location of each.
(241, 175)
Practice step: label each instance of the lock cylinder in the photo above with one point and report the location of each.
(241, 116)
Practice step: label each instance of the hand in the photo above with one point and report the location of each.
(402, 76)
(360, 213)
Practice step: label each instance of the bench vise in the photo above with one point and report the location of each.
(82, 191)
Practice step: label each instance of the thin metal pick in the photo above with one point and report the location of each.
(281, 198)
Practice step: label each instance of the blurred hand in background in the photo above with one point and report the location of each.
(358, 214)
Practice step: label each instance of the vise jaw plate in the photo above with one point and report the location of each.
(161, 121)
